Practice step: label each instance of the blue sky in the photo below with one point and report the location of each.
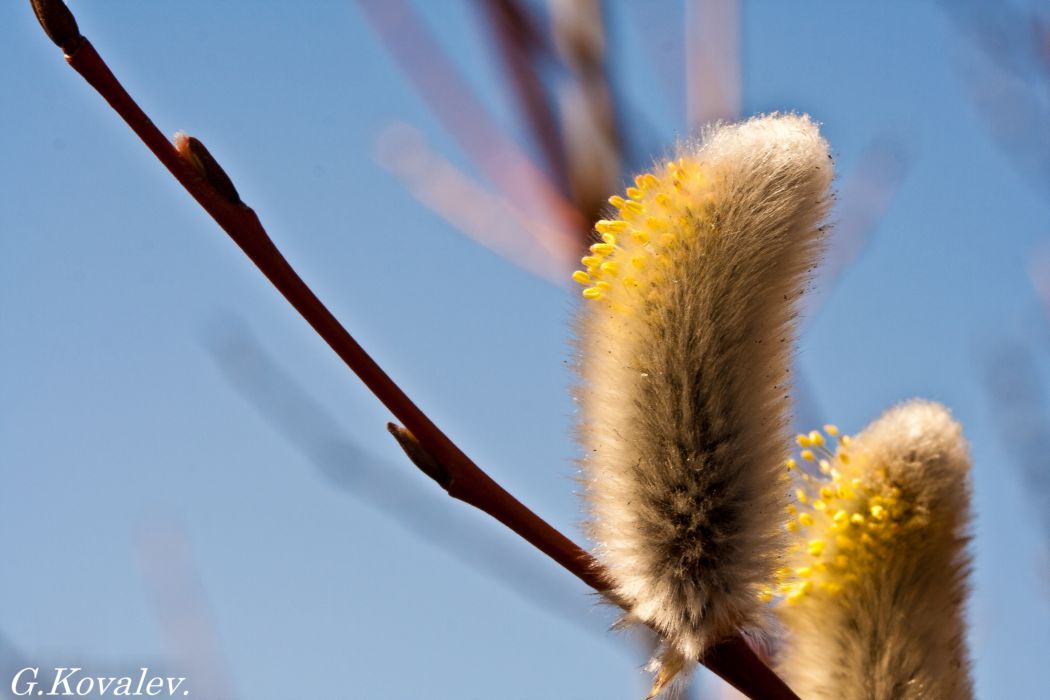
(156, 385)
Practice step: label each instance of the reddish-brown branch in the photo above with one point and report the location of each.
(733, 660)
(469, 482)
(518, 42)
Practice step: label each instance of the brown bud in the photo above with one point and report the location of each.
(58, 23)
(194, 153)
(420, 457)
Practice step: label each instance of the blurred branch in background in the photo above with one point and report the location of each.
(1009, 78)
(387, 488)
(593, 160)
(11, 660)
(524, 51)
(865, 193)
(1039, 273)
(182, 609)
(464, 116)
(486, 217)
(1017, 396)
(591, 135)
(713, 62)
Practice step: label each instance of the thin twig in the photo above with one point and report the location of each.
(486, 217)
(201, 176)
(519, 43)
(712, 49)
(587, 106)
(463, 114)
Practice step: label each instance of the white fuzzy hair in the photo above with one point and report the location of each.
(899, 632)
(684, 399)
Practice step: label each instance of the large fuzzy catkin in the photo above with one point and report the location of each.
(873, 602)
(684, 343)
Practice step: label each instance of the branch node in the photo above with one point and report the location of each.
(196, 154)
(420, 457)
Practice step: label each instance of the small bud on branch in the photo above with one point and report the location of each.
(58, 23)
(196, 154)
(427, 464)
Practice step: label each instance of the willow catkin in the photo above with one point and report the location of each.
(684, 344)
(873, 599)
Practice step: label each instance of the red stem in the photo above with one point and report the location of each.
(469, 482)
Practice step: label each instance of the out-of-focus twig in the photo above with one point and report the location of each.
(866, 193)
(712, 55)
(587, 106)
(486, 217)
(1039, 273)
(1010, 78)
(1018, 398)
(12, 660)
(465, 117)
(520, 43)
(185, 618)
(732, 659)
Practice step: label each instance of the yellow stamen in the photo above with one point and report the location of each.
(646, 181)
(610, 226)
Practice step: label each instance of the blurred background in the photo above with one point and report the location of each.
(191, 481)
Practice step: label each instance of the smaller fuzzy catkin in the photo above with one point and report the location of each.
(684, 343)
(872, 601)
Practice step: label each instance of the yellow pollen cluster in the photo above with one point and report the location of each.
(635, 252)
(845, 515)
